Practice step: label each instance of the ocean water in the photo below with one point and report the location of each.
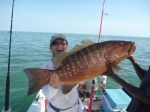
(32, 50)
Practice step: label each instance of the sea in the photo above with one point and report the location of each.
(31, 49)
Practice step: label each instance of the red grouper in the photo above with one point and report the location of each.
(84, 64)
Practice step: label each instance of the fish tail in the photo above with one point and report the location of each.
(37, 78)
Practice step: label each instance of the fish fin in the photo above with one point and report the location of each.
(116, 69)
(37, 78)
(61, 56)
(58, 59)
(66, 88)
(82, 44)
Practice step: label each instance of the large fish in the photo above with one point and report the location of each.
(84, 64)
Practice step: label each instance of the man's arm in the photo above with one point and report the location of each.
(132, 90)
(140, 72)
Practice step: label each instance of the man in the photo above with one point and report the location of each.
(50, 98)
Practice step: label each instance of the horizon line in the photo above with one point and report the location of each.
(75, 33)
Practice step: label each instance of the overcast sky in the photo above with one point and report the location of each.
(122, 17)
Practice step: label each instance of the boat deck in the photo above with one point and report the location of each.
(96, 105)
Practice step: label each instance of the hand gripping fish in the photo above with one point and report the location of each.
(84, 64)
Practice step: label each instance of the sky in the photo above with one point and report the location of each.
(122, 17)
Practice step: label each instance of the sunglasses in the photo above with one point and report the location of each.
(55, 43)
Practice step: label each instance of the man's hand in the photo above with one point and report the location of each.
(131, 58)
(109, 71)
(132, 49)
(54, 81)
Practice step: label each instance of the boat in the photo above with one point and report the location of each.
(104, 100)
(111, 100)
(108, 100)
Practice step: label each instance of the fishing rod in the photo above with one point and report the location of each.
(7, 90)
(99, 36)
(93, 82)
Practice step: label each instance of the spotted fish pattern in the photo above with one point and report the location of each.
(84, 64)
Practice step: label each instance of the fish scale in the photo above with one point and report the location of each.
(87, 61)
(84, 64)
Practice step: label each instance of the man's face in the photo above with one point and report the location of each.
(59, 46)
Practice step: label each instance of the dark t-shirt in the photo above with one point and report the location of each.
(137, 106)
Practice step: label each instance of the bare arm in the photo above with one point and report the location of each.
(132, 90)
(140, 72)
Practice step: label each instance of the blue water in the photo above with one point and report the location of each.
(31, 50)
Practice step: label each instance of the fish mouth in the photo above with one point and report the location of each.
(131, 49)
